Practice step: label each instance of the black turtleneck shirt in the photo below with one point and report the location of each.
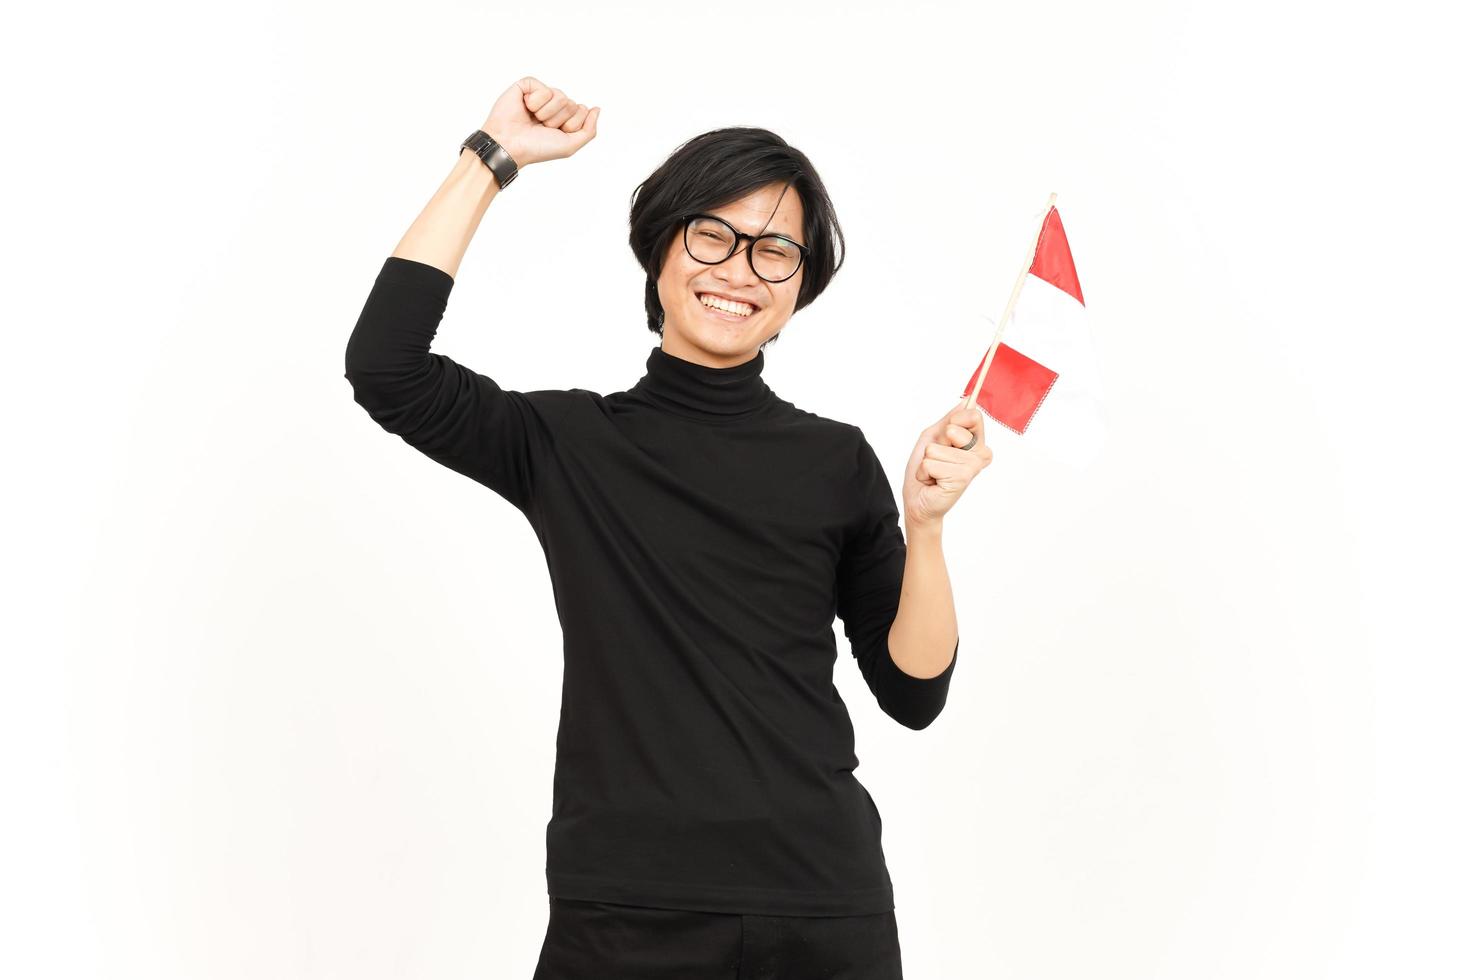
(701, 533)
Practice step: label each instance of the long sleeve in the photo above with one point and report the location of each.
(455, 416)
(869, 584)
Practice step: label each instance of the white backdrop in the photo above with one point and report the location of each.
(279, 694)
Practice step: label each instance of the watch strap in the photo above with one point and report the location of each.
(494, 156)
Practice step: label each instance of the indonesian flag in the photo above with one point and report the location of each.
(1043, 383)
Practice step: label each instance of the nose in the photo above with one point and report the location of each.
(736, 270)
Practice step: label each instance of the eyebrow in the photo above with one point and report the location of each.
(752, 234)
(756, 234)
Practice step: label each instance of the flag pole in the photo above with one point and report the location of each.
(1010, 305)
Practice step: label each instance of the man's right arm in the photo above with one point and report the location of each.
(457, 416)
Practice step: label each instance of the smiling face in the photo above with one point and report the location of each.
(697, 332)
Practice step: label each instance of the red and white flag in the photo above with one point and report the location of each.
(1044, 383)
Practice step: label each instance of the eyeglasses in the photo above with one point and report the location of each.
(712, 240)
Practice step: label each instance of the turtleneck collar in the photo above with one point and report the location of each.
(699, 391)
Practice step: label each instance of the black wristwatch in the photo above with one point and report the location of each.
(494, 155)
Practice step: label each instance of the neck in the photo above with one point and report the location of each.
(702, 391)
(675, 344)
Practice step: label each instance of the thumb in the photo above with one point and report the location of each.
(588, 131)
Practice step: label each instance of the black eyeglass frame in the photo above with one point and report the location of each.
(802, 250)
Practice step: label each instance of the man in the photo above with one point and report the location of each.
(700, 533)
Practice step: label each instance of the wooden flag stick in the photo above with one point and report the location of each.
(1011, 305)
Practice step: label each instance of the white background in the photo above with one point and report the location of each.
(280, 695)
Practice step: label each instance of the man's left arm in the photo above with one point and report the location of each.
(925, 633)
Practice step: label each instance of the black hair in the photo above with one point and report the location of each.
(714, 169)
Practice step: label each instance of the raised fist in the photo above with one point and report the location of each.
(535, 122)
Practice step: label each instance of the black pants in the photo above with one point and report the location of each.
(602, 941)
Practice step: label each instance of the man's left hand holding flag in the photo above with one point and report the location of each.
(923, 641)
(940, 468)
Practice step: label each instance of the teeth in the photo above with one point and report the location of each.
(739, 309)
